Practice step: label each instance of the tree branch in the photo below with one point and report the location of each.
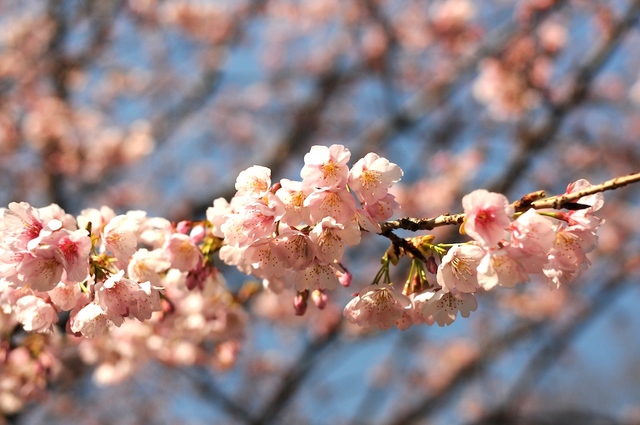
(555, 202)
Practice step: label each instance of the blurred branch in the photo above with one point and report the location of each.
(102, 15)
(431, 97)
(533, 140)
(550, 352)
(295, 140)
(206, 386)
(196, 96)
(295, 376)
(58, 69)
(372, 401)
(386, 62)
(496, 346)
(304, 125)
(488, 352)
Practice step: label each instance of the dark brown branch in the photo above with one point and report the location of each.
(555, 202)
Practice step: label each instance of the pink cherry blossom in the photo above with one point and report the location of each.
(182, 252)
(487, 214)
(35, 314)
(261, 217)
(97, 218)
(316, 276)
(295, 248)
(52, 213)
(595, 201)
(120, 297)
(217, 215)
(419, 299)
(234, 256)
(264, 258)
(147, 265)
(22, 224)
(532, 236)
(72, 250)
(372, 176)
(328, 245)
(255, 181)
(366, 221)
(567, 258)
(383, 208)
(443, 307)
(336, 203)
(458, 268)
(147, 301)
(40, 269)
(326, 167)
(90, 321)
(119, 238)
(500, 267)
(65, 296)
(377, 305)
(292, 196)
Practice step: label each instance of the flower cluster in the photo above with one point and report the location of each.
(102, 267)
(294, 233)
(507, 248)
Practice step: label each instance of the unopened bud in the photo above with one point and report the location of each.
(319, 299)
(198, 233)
(183, 227)
(432, 266)
(345, 278)
(300, 303)
(275, 187)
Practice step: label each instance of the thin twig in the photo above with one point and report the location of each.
(555, 202)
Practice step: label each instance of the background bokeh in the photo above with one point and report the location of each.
(158, 105)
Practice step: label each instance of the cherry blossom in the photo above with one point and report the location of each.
(119, 237)
(443, 307)
(316, 276)
(500, 267)
(263, 257)
(336, 203)
(182, 252)
(40, 269)
(487, 215)
(147, 265)
(457, 271)
(532, 236)
(377, 305)
(35, 314)
(292, 196)
(72, 250)
(295, 248)
(90, 321)
(372, 176)
(326, 167)
(255, 181)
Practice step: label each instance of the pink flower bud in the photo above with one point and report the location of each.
(345, 278)
(300, 303)
(432, 266)
(319, 299)
(183, 227)
(198, 233)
